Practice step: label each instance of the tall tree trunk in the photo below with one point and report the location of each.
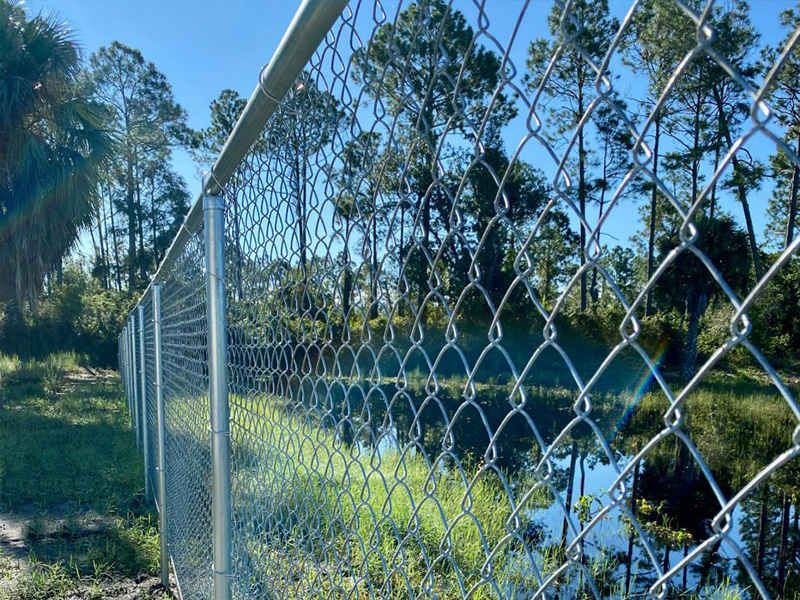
(102, 231)
(99, 246)
(783, 549)
(582, 193)
(713, 207)
(593, 287)
(140, 214)
(304, 212)
(422, 292)
(741, 190)
(118, 264)
(402, 255)
(373, 286)
(130, 200)
(697, 308)
(154, 220)
(301, 229)
(792, 217)
(95, 247)
(548, 284)
(634, 498)
(651, 239)
(347, 287)
(696, 148)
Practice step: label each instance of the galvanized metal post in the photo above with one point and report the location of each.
(121, 352)
(218, 395)
(161, 464)
(133, 378)
(126, 343)
(143, 380)
(126, 371)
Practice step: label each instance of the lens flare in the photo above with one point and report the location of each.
(641, 388)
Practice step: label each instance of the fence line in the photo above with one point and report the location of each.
(367, 367)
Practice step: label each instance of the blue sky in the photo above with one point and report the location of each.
(204, 46)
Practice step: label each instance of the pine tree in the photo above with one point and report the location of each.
(784, 223)
(146, 120)
(581, 36)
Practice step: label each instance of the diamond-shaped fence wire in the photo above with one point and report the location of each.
(150, 395)
(489, 269)
(135, 376)
(187, 450)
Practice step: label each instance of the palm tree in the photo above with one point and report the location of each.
(52, 149)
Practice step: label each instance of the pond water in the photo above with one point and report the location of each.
(736, 429)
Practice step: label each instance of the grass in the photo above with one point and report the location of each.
(376, 511)
(68, 562)
(371, 516)
(318, 518)
(76, 448)
(69, 470)
(314, 517)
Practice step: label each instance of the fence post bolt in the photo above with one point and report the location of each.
(162, 479)
(214, 222)
(143, 380)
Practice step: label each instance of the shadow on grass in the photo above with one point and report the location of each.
(72, 478)
(76, 448)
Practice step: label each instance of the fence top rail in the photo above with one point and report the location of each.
(311, 22)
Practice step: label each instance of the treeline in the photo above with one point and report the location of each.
(85, 155)
(402, 181)
(423, 232)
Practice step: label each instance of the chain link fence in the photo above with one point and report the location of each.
(496, 314)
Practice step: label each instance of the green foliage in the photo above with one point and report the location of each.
(206, 143)
(784, 223)
(141, 111)
(380, 498)
(776, 316)
(80, 316)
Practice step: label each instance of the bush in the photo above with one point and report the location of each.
(78, 316)
(776, 316)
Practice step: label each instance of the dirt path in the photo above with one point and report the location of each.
(13, 552)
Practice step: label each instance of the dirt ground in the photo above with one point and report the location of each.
(26, 528)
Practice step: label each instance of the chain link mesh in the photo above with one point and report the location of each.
(187, 449)
(432, 398)
(150, 395)
(136, 377)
